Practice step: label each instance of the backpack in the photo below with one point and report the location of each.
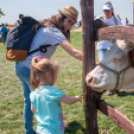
(19, 40)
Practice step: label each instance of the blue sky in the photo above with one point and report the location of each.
(42, 9)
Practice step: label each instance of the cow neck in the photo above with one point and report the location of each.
(117, 73)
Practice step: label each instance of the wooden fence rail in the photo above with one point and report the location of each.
(105, 32)
(116, 116)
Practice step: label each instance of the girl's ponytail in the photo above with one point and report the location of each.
(34, 80)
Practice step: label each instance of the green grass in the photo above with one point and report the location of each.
(70, 82)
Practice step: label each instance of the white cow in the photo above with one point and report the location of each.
(115, 71)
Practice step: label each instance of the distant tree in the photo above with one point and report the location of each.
(1, 13)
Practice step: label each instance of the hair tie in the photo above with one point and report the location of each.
(39, 58)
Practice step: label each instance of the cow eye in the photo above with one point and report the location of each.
(115, 60)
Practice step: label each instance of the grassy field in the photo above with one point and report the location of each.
(70, 82)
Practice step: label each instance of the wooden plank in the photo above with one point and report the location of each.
(90, 108)
(115, 32)
(116, 116)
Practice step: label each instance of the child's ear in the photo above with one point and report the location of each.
(47, 74)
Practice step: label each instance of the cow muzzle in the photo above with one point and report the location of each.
(89, 80)
(90, 83)
(97, 93)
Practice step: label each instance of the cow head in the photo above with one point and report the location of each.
(115, 70)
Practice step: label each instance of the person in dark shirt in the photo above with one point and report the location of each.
(3, 33)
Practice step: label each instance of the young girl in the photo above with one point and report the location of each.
(45, 99)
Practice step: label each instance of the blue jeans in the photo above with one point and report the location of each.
(101, 54)
(24, 76)
(3, 35)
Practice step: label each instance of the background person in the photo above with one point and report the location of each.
(127, 21)
(20, 17)
(57, 33)
(110, 19)
(3, 33)
(45, 98)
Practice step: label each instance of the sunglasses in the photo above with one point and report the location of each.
(70, 23)
(106, 10)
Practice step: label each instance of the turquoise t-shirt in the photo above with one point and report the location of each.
(46, 102)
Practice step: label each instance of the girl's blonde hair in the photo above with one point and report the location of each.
(39, 68)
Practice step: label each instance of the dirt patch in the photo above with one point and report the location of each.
(77, 30)
(127, 90)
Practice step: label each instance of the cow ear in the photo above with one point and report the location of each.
(115, 60)
(131, 44)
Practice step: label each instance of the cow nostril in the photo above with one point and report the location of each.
(89, 79)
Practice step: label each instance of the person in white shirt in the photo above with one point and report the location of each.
(110, 19)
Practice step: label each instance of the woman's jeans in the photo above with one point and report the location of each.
(101, 54)
(24, 76)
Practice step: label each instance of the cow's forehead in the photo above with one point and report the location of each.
(114, 52)
(121, 44)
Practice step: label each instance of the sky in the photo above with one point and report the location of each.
(43, 9)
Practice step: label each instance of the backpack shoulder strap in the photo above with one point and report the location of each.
(42, 48)
(115, 20)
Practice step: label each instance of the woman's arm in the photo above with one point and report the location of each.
(71, 50)
(32, 108)
(70, 100)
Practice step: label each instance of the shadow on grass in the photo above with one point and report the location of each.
(75, 128)
(123, 93)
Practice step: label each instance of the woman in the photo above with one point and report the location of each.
(110, 19)
(56, 32)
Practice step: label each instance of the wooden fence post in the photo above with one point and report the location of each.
(133, 12)
(87, 10)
